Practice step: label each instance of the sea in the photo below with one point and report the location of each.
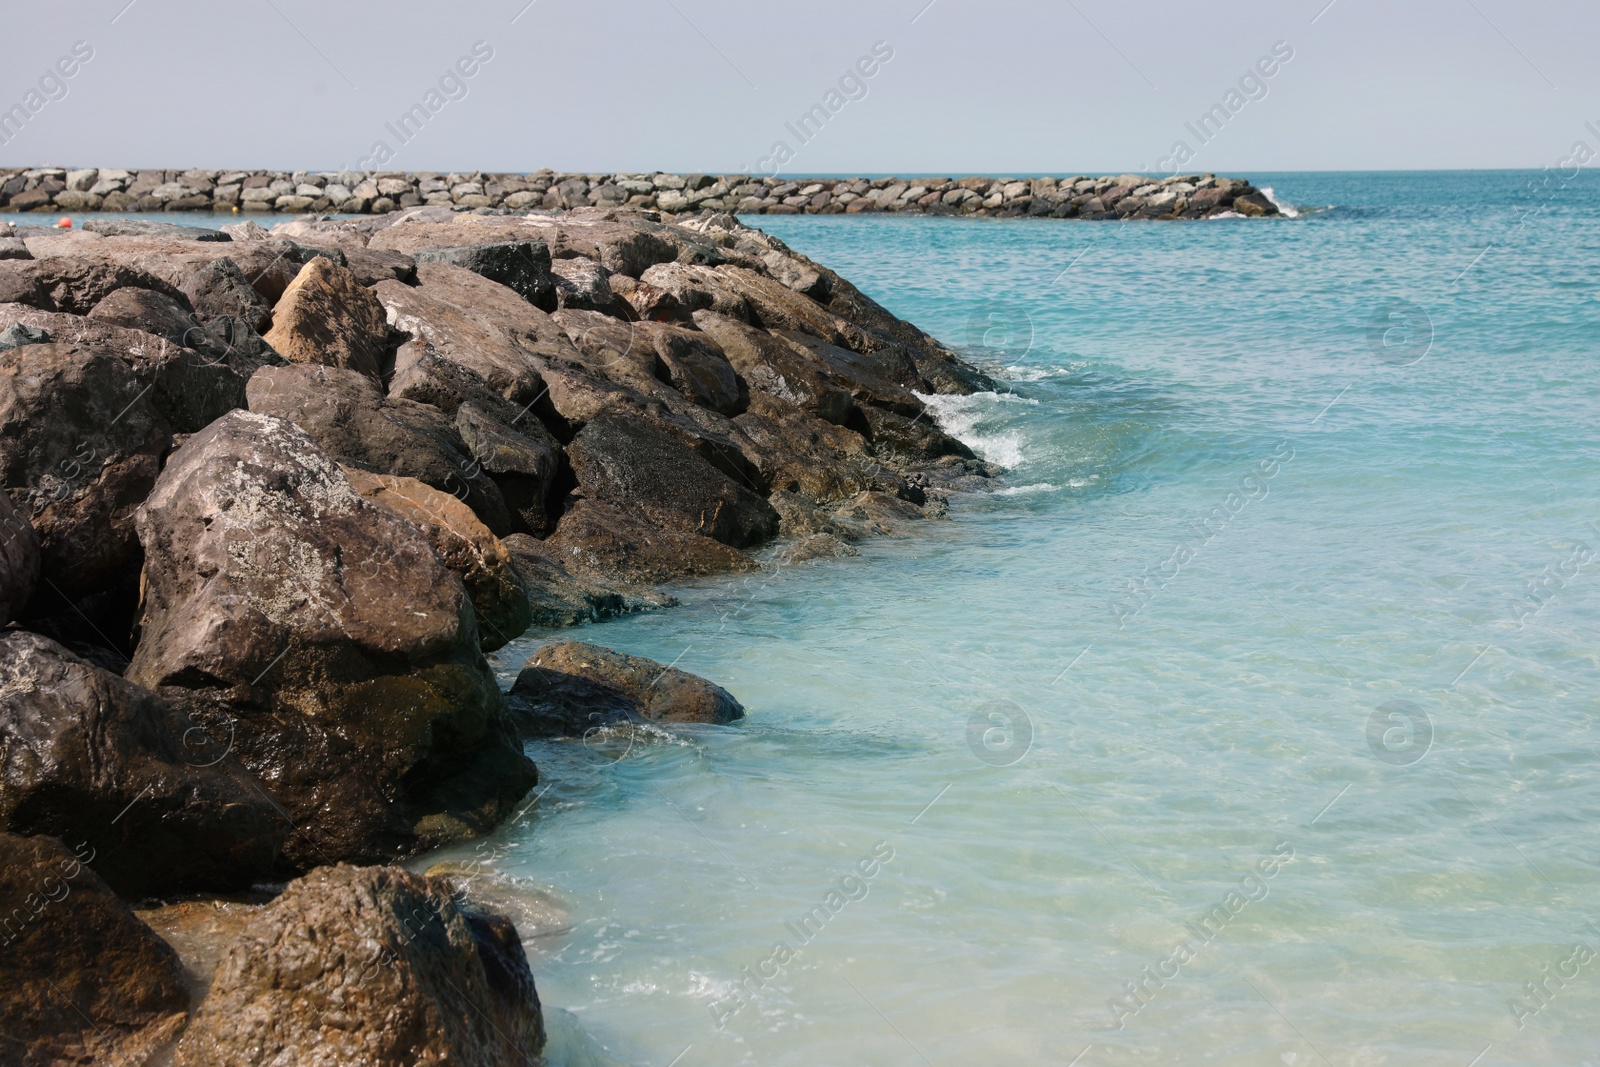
(1250, 720)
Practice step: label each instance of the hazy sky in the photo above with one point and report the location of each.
(1012, 86)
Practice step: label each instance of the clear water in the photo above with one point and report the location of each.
(1348, 665)
(1443, 847)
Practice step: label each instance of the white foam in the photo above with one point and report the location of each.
(1289, 210)
(963, 417)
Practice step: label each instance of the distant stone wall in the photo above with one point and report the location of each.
(1125, 196)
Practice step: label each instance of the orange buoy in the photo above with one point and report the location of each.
(63, 223)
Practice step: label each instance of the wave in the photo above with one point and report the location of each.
(965, 419)
(1288, 210)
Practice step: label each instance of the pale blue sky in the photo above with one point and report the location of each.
(1013, 86)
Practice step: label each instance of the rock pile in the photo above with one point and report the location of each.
(1183, 196)
(268, 498)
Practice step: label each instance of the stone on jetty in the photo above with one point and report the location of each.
(343, 656)
(569, 688)
(373, 965)
(19, 560)
(327, 317)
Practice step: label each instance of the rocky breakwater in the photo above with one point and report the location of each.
(269, 497)
(1126, 196)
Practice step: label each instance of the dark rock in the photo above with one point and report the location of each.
(769, 364)
(569, 687)
(376, 966)
(80, 447)
(521, 266)
(348, 418)
(560, 598)
(327, 317)
(522, 462)
(606, 542)
(878, 514)
(911, 440)
(696, 367)
(331, 641)
(1254, 204)
(220, 289)
(87, 756)
(869, 380)
(18, 334)
(82, 980)
(19, 560)
(584, 285)
(464, 545)
(152, 312)
(629, 462)
(73, 284)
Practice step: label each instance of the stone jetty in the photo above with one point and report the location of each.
(1125, 196)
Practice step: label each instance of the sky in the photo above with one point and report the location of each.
(1014, 87)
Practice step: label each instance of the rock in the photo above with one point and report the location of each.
(479, 324)
(220, 288)
(521, 266)
(867, 378)
(581, 284)
(153, 313)
(569, 687)
(19, 560)
(346, 415)
(74, 284)
(88, 756)
(190, 388)
(629, 462)
(797, 451)
(800, 517)
(327, 317)
(376, 966)
(464, 545)
(768, 363)
(82, 980)
(813, 547)
(878, 514)
(80, 447)
(1254, 204)
(911, 440)
(558, 597)
(696, 367)
(522, 463)
(610, 543)
(343, 656)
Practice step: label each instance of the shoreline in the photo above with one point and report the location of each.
(264, 192)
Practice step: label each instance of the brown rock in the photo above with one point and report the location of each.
(82, 980)
(770, 364)
(569, 688)
(610, 543)
(19, 560)
(464, 545)
(559, 598)
(327, 317)
(376, 966)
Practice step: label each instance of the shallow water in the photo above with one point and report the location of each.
(1336, 655)
(1376, 652)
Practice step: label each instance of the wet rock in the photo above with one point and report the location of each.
(464, 545)
(521, 266)
(337, 651)
(868, 378)
(19, 560)
(557, 597)
(800, 517)
(220, 289)
(697, 368)
(910, 439)
(82, 980)
(629, 462)
(878, 514)
(799, 452)
(607, 542)
(88, 756)
(80, 447)
(349, 418)
(327, 317)
(569, 687)
(813, 547)
(371, 965)
(522, 462)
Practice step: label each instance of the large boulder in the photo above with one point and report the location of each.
(82, 980)
(478, 323)
(630, 462)
(376, 966)
(520, 457)
(773, 366)
(340, 652)
(558, 597)
(75, 283)
(149, 311)
(81, 445)
(465, 545)
(521, 266)
(191, 385)
(609, 543)
(88, 756)
(19, 560)
(221, 289)
(569, 688)
(327, 317)
(348, 417)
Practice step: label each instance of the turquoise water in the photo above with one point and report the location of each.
(1264, 582)
(1348, 666)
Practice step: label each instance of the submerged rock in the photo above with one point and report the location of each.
(340, 653)
(569, 688)
(376, 966)
(82, 980)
